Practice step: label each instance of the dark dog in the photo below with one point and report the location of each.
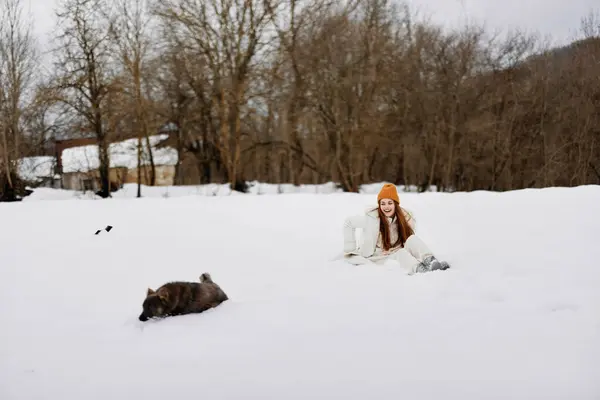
(180, 298)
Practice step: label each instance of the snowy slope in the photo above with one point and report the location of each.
(518, 316)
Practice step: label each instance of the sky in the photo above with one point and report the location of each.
(558, 18)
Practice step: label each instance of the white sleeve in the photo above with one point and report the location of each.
(350, 226)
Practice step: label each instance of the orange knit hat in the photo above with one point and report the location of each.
(388, 191)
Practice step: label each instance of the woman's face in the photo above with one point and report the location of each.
(388, 207)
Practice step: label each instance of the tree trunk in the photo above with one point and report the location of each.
(151, 159)
(139, 168)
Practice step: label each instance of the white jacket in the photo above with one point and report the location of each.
(369, 223)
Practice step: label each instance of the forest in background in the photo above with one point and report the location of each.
(305, 91)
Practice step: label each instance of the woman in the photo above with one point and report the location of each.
(388, 233)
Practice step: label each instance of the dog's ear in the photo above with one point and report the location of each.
(150, 292)
(163, 295)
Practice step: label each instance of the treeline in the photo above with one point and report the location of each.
(309, 91)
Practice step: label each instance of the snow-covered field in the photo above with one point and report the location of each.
(214, 189)
(517, 317)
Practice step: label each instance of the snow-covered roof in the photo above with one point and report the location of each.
(121, 154)
(169, 127)
(34, 169)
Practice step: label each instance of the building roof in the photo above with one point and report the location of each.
(122, 154)
(35, 169)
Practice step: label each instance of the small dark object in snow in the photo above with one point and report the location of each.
(107, 229)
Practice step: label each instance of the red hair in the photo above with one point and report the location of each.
(404, 229)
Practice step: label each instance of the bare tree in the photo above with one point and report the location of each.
(42, 122)
(184, 98)
(174, 100)
(228, 35)
(84, 74)
(590, 24)
(131, 32)
(290, 27)
(17, 66)
(347, 55)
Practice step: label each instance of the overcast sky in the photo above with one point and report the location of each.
(559, 18)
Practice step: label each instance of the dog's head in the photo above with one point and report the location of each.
(154, 305)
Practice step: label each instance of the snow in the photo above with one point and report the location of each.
(122, 154)
(34, 169)
(517, 316)
(213, 189)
